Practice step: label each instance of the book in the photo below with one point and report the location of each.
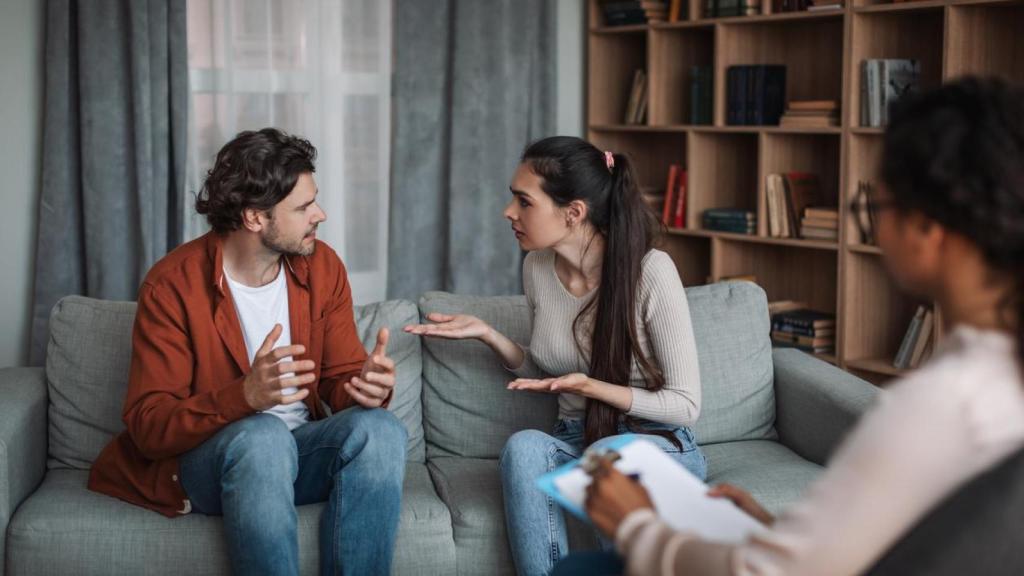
(862, 214)
(802, 190)
(623, 13)
(775, 200)
(814, 105)
(820, 223)
(637, 104)
(670, 192)
(679, 497)
(819, 233)
(822, 213)
(675, 11)
(806, 319)
(899, 78)
(679, 220)
(923, 339)
(902, 359)
(701, 82)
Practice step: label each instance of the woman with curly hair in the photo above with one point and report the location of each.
(950, 222)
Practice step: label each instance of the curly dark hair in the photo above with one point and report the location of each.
(254, 170)
(956, 154)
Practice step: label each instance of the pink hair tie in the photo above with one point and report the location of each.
(609, 160)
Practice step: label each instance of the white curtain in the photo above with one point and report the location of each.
(320, 69)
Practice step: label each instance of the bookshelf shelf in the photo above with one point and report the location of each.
(876, 366)
(864, 249)
(790, 242)
(727, 165)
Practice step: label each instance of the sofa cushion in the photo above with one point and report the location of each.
(404, 349)
(87, 373)
(733, 333)
(467, 411)
(774, 474)
(64, 528)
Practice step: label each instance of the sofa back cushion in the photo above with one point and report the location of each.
(468, 412)
(734, 348)
(89, 352)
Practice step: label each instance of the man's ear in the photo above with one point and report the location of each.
(254, 219)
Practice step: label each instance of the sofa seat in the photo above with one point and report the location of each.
(64, 528)
(775, 475)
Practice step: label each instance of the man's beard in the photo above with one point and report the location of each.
(273, 240)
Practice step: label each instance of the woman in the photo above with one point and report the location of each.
(950, 221)
(610, 322)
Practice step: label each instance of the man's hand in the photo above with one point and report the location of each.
(269, 376)
(744, 501)
(612, 496)
(377, 381)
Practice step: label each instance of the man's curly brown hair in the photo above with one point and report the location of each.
(254, 170)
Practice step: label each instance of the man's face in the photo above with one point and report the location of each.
(291, 228)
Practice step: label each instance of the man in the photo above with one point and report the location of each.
(238, 337)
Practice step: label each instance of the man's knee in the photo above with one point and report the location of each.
(377, 430)
(260, 439)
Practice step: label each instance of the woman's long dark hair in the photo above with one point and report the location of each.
(956, 155)
(573, 169)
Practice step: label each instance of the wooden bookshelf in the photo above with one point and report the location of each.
(727, 165)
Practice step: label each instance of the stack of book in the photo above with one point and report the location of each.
(636, 107)
(805, 329)
(729, 8)
(825, 5)
(624, 13)
(702, 78)
(673, 212)
(820, 223)
(811, 114)
(916, 345)
(865, 222)
(755, 95)
(883, 83)
(655, 10)
(787, 196)
(789, 6)
(730, 220)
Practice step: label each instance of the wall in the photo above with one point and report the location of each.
(21, 126)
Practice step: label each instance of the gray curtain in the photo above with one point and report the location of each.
(474, 82)
(115, 125)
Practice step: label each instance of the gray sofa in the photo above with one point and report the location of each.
(770, 419)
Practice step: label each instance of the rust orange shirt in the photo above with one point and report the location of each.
(189, 363)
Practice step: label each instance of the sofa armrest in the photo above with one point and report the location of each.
(815, 403)
(23, 449)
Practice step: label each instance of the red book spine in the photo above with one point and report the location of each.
(666, 213)
(680, 220)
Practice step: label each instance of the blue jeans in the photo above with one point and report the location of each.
(536, 525)
(255, 472)
(590, 564)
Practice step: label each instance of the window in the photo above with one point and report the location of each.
(317, 68)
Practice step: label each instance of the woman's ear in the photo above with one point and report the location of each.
(576, 212)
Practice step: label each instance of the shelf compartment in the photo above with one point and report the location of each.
(613, 60)
(673, 53)
(915, 35)
(784, 153)
(811, 49)
(692, 257)
(808, 276)
(984, 39)
(865, 153)
(722, 174)
(877, 313)
(650, 153)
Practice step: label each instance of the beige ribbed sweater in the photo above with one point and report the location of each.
(663, 327)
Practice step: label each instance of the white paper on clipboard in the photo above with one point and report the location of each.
(679, 497)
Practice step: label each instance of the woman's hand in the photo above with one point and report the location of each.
(744, 501)
(576, 383)
(612, 496)
(455, 327)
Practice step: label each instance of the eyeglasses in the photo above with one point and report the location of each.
(871, 207)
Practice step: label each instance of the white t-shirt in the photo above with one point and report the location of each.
(258, 310)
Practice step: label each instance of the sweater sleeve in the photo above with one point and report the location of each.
(666, 316)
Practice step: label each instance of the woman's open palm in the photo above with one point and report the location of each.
(455, 327)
